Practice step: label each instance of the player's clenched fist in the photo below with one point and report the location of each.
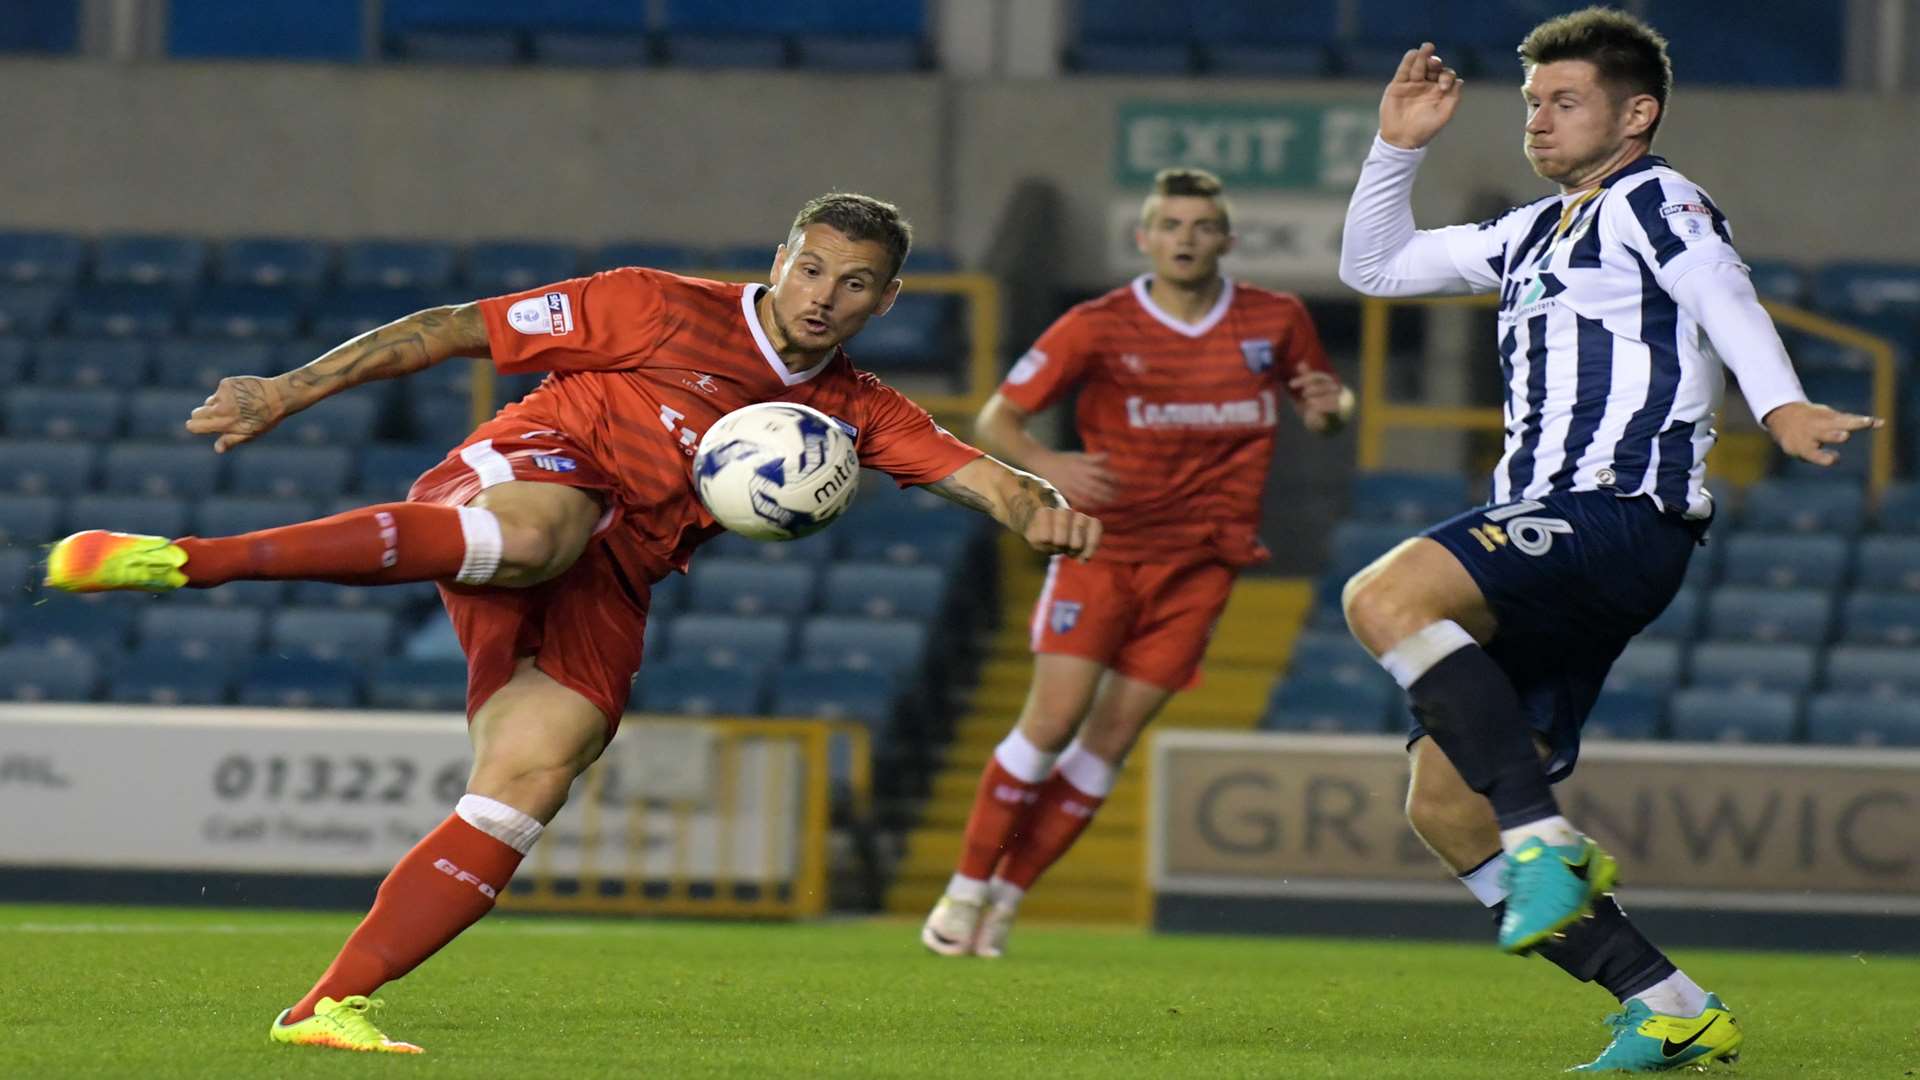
(1419, 100)
(1056, 530)
(240, 408)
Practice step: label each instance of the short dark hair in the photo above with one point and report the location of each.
(860, 217)
(1630, 55)
(1186, 180)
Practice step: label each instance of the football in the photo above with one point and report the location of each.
(776, 471)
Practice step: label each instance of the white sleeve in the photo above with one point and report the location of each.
(1673, 226)
(1720, 297)
(1382, 254)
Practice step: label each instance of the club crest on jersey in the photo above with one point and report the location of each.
(555, 462)
(702, 382)
(1259, 355)
(1064, 615)
(1133, 363)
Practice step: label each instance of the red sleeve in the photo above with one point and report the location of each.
(900, 439)
(1302, 348)
(1055, 363)
(606, 322)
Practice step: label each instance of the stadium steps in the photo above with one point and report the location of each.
(1101, 879)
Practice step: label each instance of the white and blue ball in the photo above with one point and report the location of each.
(776, 470)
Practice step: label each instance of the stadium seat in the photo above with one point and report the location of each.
(812, 549)
(145, 311)
(1804, 506)
(1626, 714)
(1336, 657)
(1310, 703)
(159, 677)
(1717, 715)
(591, 49)
(198, 632)
(1414, 499)
(668, 596)
(287, 472)
(1883, 670)
(694, 688)
(344, 313)
(1354, 544)
(839, 641)
(1868, 288)
(1802, 616)
(274, 261)
(170, 470)
(921, 330)
(865, 696)
(938, 537)
(148, 514)
(247, 311)
(418, 594)
(31, 309)
(396, 264)
(742, 587)
(100, 621)
(441, 421)
(435, 640)
(884, 591)
(1742, 666)
(31, 673)
(259, 594)
(1869, 618)
(39, 413)
(510, 266)
(16, 365)
(1888, 563)
(19, 570)
(419, 684)
(149, 260)
(1785, 561)
(1647, 664)
(729, 640)
(1680, 621)
(1267, 61)
(30, 519)
(342, 420)
(328, 633)
(1900, 508)
(200, 363)
(388, 470)
(1863, 719)
(654, 256)
(162, 415)
(228, 516)
(34, 467)
(41, 258)
(89, 362)
(300, 682)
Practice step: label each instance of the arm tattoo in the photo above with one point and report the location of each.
(953, 490)
(1027, 495)
(399, 348)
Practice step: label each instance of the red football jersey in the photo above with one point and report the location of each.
(643, 361)
(1184, 412)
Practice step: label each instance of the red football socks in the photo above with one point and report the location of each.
(374, 545)
(999, 805)
(444, 885)
(1060, 814)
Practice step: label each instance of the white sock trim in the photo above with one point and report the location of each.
(1086, 771)
(972, 890)
(1419, 651)
(1004, 893)
(1555, 830)
(1675, 995)
(500, 821)
(1028, 763)
(1483, 882)
(484, 545)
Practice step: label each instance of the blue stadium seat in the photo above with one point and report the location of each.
(228, 516)
(331, 633)
(1899, 508)
(19, 570)
(922, 330)
(592, 49)
(34, 467)
(161, 470)
(1741, 666)
(1354, 544)
(388, 470)
(1680, 621)
(747, 257)
(672, 257)
(1415, 499)
(1880, 619)
(30, 519)
(1887, 671)
(162, 415)
(1888, 563)
(1316, 704)
(154, 516)
(1626, 714)
(1758, 716)
(40, 413)
(396, 264)
(342, 420)
(15, 363)
(741, 587)
(884, 591)
(200, 363)
(694, 688)
(865, 696)
(28, 258)
(246, 311)
(510, 266)
(260, 594)
(813, 549)
(149, 260)
(668, 596)
(417, 594)
(300, 682)
(98, 621)
(147, 311)
(459, 46)
(839, 641)
(1785, 562)
(863, 53)
(159, 677)
(781, 17)
(1775, 280)
(345, 313)
(90, 362)
(729, 640)
(199, 632)
(1863, 719)
(287, 472)
(435, 640)
(275, 261)
(1336, 657)
(31, 309)
(30, 673)
(440, 421)
(1804, 506)
(1646, 664)
(419, 684)
(938, 537)
(1868, 288)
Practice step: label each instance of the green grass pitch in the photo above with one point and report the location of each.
(157, 993)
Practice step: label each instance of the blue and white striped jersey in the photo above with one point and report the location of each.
(1610, 386)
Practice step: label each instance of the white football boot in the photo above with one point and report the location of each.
(951, 927)
(995, 924)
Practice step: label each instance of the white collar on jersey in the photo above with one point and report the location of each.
(748, 296)
(1192, 330)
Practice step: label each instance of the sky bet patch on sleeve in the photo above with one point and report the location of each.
(549, 314)
(1690, 220)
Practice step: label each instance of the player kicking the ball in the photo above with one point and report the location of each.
(547, 528)
(1181, 375)
(1501, 623)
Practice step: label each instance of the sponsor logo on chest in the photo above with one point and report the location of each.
(1255, 412)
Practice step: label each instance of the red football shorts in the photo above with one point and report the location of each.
(1147, 621)
(584, 628)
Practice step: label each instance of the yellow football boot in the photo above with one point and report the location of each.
(101, 561)
(342, 1025)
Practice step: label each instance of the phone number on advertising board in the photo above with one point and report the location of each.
(317, 778)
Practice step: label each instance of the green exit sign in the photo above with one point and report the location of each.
(1303, 147)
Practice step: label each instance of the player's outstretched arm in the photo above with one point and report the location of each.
(1023, 503)
(248, 406)
(1001, 430)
